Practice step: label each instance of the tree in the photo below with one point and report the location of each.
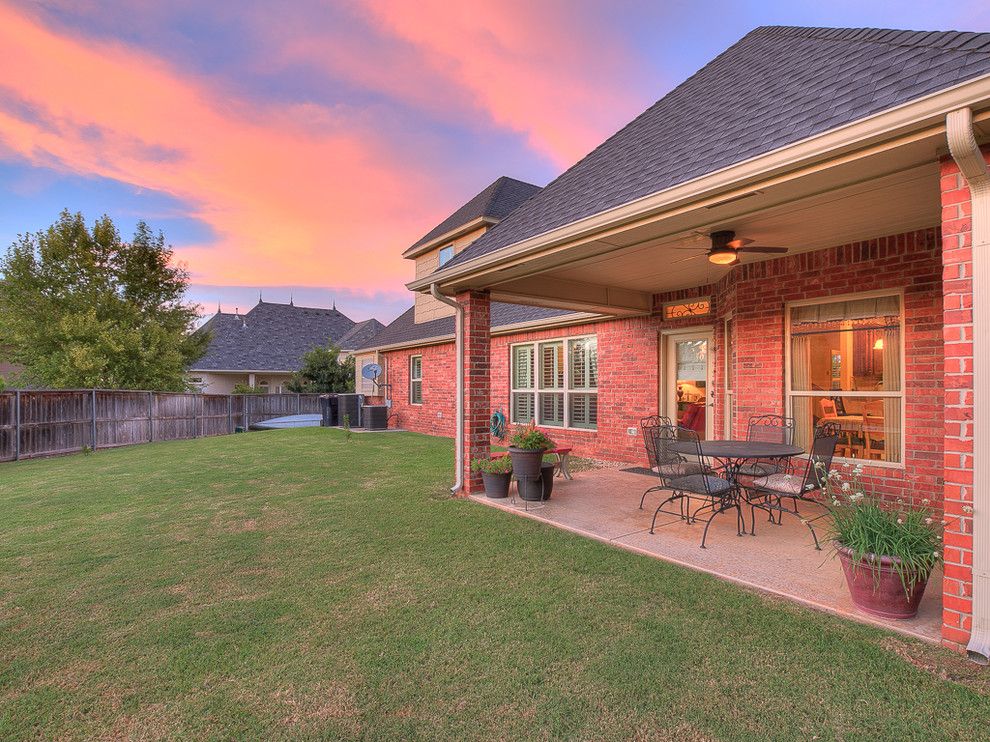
(323, 372)
(82, 308)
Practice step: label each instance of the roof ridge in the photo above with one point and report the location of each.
(888, 36)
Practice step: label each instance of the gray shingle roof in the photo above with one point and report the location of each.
(496, 201)
(360, 335)
(270, 337)
(405, 330)
(774, 87)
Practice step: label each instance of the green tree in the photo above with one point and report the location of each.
(323, 372)
(81, 308)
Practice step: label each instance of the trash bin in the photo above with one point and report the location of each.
(329, 410)
(350, 405)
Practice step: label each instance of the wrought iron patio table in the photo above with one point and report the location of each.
(732, 455)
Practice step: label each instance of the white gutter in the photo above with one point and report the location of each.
(459, 359)
(966, 152)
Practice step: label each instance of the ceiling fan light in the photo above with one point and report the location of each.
(722, 256)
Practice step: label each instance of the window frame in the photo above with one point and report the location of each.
(565, 389)
(416, 380)
(440, 261)
(790, 394)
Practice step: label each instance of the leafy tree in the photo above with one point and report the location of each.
(323, 372)
(246, 389)
(81, 308)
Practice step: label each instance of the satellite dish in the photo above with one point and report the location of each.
(371, 371)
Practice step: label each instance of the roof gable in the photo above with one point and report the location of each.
(494, 203)
(776, 86)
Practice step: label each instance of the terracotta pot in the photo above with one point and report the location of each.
(496, 485)
(539, 489)
(876, 588)
(526, 462)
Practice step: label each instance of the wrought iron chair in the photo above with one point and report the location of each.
(767, 429)
(648, 425)
(683, 469)
(768, 493)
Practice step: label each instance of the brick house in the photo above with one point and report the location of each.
(863, 153)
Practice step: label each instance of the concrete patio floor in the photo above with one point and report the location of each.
(781, 560)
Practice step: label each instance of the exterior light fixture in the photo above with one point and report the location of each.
(723, 255)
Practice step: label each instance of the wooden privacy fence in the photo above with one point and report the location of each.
(49, 422)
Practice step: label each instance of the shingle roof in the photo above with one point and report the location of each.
(405, 330)
(270, 337)
(496, 201)
(775, 86)
(359, 335)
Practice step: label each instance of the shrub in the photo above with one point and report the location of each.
(502, 465)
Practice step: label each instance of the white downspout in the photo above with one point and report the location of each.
(966, 152)
(459, 357)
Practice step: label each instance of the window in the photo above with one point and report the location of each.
(446, 254)
(846, 368)
(555, 383)
(415, 379)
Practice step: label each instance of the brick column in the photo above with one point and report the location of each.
(477, 383)
(957, 290)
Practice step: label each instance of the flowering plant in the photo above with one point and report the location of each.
(870, 530)
(530, 438)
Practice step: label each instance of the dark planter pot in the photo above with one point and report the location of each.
(496, 485)
(525, 462)
(535, 490)
(877, 589)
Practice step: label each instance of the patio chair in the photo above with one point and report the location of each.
(677, 465)
(690, 477)
(767, 429)
(769, 492)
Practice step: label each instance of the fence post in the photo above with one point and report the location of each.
(151, 417)
(196, 411)
(230, 414)
(93, 405)
(245, 400)
(17, 424)
(298, 403)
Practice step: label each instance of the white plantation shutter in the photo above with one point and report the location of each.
(552, 409)
(584, 411)
(551, 365)
(523, 407)
(522, 367)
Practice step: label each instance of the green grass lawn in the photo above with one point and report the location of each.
(292, 584)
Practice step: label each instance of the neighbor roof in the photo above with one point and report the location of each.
(495, 203)
(775, 86)
(405, 330)
(360, 335)
(270, 337)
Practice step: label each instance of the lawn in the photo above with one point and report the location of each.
(294, 584)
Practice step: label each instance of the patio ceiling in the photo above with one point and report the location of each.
(862, 195)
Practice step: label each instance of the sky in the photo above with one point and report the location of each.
(296, 149)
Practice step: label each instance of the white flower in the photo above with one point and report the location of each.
(900, 521)
(845, 465)
(935, 553)
(926, 501)
(856, 497)
(929, 521)
(835, 501)
(967, 509)
(945, 522)
(809, 487)
(846, 486)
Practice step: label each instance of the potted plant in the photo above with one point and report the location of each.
(887, 553)
(496, 474)
(539, 489)
(526, 447)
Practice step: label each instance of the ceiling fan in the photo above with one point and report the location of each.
(726, 247)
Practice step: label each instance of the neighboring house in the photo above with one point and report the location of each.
(265, 346)
(857, 150)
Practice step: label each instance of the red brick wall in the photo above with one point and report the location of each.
(477, 368)
(957, 603)
(437, 414)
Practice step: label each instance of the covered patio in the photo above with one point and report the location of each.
(780, 560)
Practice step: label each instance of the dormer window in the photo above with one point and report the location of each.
(446, 254)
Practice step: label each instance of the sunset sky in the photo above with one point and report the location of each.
(300, 150)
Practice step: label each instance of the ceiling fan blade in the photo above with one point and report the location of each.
(739, 242)
(759, 248)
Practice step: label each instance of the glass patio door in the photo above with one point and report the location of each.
(687, 381)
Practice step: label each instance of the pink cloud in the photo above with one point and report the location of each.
(300, 194)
